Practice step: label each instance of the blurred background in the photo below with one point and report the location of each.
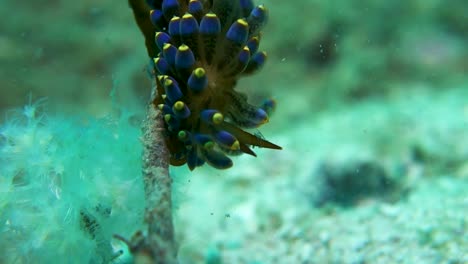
(372, 116)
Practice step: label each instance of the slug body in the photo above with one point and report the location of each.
(200, 50)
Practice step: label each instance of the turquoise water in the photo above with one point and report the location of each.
(371, 114)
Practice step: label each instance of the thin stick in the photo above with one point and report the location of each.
(158, 245)
(141, 13)
(158, 211)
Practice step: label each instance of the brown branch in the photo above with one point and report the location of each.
(141, 12)
(158, 246)
(158, 211)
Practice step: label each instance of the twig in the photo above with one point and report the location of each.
(158, 245)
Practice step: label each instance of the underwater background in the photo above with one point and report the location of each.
(372, 118)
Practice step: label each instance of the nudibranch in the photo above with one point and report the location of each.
(200, 48)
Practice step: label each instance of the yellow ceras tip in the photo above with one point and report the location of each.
(199, 72)
(211, 15)
(218, 118)
(179, 105)
(208, 145)
(243, 22)
(183, 47)
(167, 117)
(167, 82)
(187, 15)
(182, 135)
(235, 145)
(166, 46)
(160, 106)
